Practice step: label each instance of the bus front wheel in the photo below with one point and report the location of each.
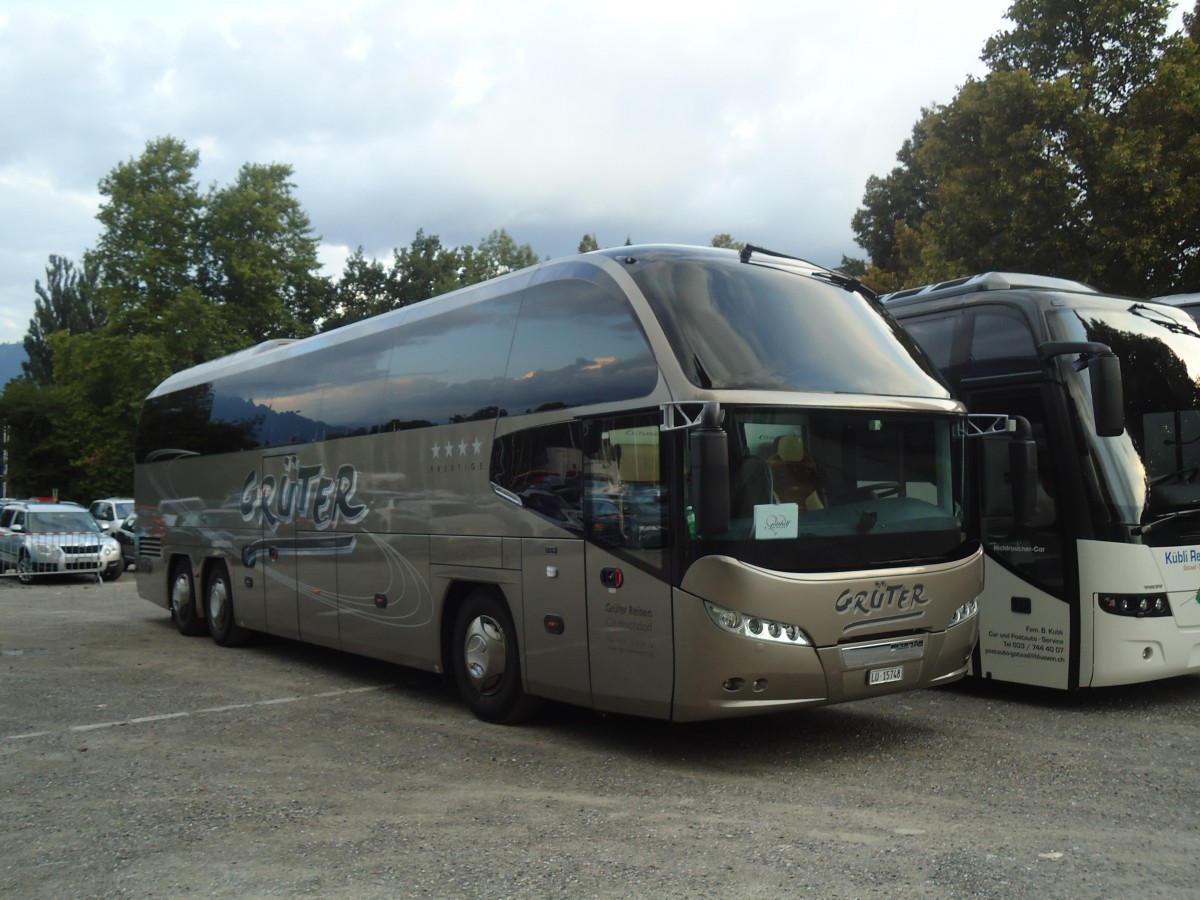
(183, 601)
(218, 606)
(487, 666)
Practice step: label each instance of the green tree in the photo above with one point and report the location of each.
(150, 243)
(260, 261)
(1074, 156)
(361, 292)
(497, 254)
(68, 302)
(176, 278)
(423, 269)
(588, 243)
(727, 241)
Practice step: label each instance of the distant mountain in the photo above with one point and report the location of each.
(11, 357)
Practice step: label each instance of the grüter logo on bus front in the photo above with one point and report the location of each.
(883, 596)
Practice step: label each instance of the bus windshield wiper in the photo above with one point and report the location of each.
(1164, 519)
(841, 279)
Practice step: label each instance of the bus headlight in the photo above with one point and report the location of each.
(968, 610)
(756, 627)
(1138, 606)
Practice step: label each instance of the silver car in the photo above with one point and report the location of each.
(111, 512)
(56, 539)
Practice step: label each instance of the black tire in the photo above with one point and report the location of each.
(218, 605)
(113, 572)
(184, 609)
(487, 661)
(24, 568)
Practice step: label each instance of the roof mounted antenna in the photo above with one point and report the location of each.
(841, 279)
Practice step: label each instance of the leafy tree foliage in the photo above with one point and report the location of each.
(1076, 155)
(260, 257)
(68, 302)
(178, 277)
(588, 243)
(726, 240)
(424, 269)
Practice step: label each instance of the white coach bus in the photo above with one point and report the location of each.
(1095, 581)
(674, 482)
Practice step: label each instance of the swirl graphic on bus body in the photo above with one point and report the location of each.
(305, 494)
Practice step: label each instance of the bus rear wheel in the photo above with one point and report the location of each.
(218, 595)
(487, 665)
(183, 601)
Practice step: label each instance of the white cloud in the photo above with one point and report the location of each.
(657, 121)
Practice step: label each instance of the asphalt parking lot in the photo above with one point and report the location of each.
(135, 762)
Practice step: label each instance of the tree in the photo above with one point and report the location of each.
(498, 254)
(68, 302)
(727, 241)
(150, 245)
(422, 270)
(1074, 156)
(176, 278)
(260, 256)
(588, 243)
(361, 292)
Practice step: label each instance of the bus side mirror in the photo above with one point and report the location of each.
(1104, 371)
(710, 473)
(1108, 396)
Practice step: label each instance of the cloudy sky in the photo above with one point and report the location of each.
(655, 121)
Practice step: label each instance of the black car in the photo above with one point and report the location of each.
(124, 534)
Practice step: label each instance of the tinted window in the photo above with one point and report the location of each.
(935, 334)
(1001, 343)
(174, 424)
(449, 367)
(577, 343)
(544, 468)
(748, 326)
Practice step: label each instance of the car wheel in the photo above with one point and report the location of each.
(219, 608)
(487, 666)
(24, 568)
(113, 572)
(183, 601)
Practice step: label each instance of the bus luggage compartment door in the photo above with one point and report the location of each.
(555, 620)
(630, 637)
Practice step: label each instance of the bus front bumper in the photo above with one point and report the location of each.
(720, 675)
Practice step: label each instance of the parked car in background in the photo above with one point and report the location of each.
(56, 539)
(127, 538)
(111, 512)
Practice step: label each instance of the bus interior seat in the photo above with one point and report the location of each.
(794, 473)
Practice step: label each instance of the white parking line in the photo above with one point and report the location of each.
(143, 720)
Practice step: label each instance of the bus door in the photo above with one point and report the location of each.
(1028, 618)
(629, 613)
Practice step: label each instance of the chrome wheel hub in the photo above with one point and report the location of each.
(485, 654)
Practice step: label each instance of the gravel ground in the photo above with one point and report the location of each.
(138, 763)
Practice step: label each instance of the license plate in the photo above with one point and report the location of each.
(885, 676)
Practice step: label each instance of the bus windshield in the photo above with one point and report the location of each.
(1153, 469)
(754, 327)
(817, 490)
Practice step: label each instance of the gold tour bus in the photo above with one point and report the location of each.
(677, 482)
(1094, 579)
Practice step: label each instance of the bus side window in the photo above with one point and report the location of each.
(625, 501)
(543, 466)
(577, 343)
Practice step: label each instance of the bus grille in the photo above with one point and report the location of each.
(151, 547)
